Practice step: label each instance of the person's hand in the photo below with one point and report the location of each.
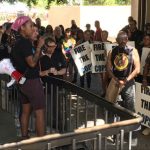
(122, 83)
(41, 42)
(44, 73)
(53, 71)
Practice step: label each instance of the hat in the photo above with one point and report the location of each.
(19, 22)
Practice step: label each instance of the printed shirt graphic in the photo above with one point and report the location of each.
(121, 62)
(69, 44)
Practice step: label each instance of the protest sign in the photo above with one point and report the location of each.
(145, 52)
(98, 57)
(131, 43)
(142, 103)
(110, 46)
(82, 57)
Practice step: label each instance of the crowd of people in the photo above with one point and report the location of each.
(36, 52)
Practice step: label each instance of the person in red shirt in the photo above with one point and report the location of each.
(98, 33)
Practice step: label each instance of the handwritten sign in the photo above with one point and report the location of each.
(131, 43)
(142, 103)
(98, 57)
(82, 57)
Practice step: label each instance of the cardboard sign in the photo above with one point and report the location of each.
(145, 52)
(82, 57)
(131, 43)
(110, 46)
(142, 103)
(98, 57)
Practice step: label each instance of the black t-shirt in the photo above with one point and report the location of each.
(21, 50)
(3, 52)
(57, 61)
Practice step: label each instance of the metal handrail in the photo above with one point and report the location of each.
(130, 121)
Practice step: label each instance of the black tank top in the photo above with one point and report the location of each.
(122, 61)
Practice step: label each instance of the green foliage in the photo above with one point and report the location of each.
(48, 3)
(107, 2)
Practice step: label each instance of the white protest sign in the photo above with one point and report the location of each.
(98, 57)
(145, 52)
(142, 103)
(110, 46)
(82, 57)
(131, 43)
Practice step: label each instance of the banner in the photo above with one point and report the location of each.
(98, 57)
(82, 57)
(142, 103)
(145, 52)
(131, 43)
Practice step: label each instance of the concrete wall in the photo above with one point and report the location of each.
(63, 15)
(134, 9)
(112, 18)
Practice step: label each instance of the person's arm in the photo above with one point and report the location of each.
(146, 70)
(136, 61)
(63, 51)
(44, 73)
(33, 59)
(54, 71)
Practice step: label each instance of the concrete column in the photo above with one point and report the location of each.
(147, 11)
(134, 9)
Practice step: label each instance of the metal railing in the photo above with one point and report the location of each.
(75, 118)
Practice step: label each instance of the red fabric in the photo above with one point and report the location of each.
(98, 35)
(16, 75)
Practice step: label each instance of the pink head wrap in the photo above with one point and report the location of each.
(19, 22)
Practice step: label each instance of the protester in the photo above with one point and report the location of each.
(85, 37)
(127, 27)
(123, 65)
(147, 28)
(48, 31)
(68, 44)
(25, 59)
(41, 29)
(58, 36)
(98, 33)
(146, 44)
(80, 37)
(74, 28)
(134, 34)
(52, 62)
(105, 79)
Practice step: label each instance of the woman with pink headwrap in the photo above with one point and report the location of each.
(25, 58)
